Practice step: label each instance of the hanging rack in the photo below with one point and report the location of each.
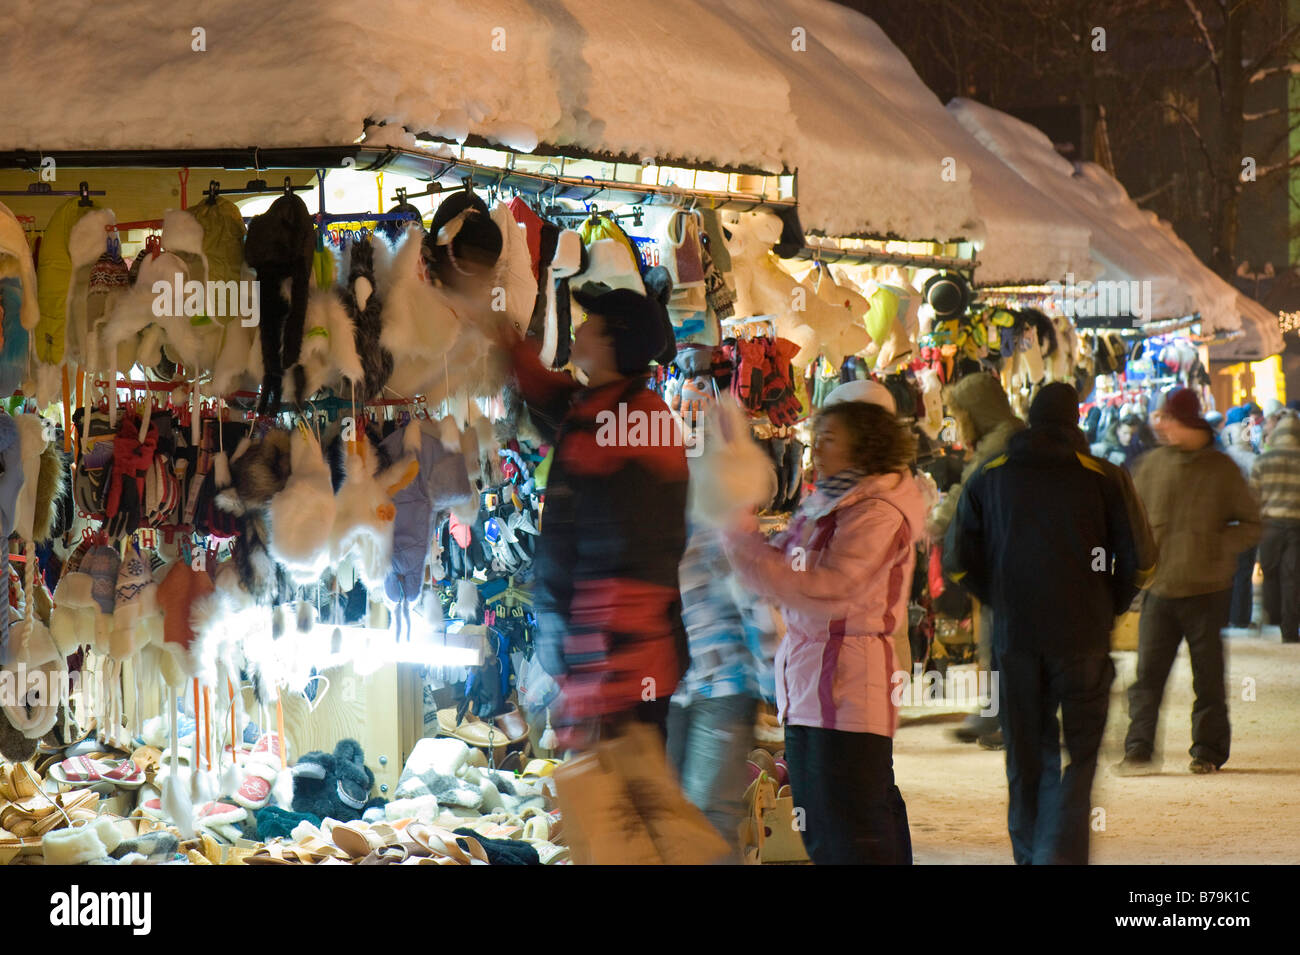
(252, 188)
(40, 189)
(137, 224)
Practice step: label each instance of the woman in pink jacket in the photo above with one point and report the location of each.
(841, 574)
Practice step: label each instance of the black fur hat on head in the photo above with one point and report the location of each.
(463, 242)
(335, 785)
(280, 246)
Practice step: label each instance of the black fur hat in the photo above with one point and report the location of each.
(280, 246)
(463, 241)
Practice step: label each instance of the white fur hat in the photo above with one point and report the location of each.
(872, 392)
(302, 514)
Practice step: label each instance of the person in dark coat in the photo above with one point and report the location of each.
(613, 520)
(1056, 542)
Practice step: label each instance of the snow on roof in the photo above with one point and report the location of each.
(1128, 243)
(1026, 236)
(1262, 336)
(728, 83)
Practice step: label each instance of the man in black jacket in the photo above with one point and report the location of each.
(1057, 543)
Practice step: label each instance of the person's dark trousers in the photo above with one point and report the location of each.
(707, 745)
(1049, 812)
(1165, 622)
(1279, 556)
(844, 783)
(1243, 590)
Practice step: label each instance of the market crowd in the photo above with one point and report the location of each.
(1054, 529)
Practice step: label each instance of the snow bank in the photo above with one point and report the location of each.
(729, 83)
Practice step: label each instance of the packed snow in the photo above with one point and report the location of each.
(728, 83)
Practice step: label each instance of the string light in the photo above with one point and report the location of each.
(1288, 321)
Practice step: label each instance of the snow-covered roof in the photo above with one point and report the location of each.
(1026, 237)
(1261, 335)
(729, 83)
(1128, 243)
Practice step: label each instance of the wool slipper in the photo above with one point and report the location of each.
(255, 791)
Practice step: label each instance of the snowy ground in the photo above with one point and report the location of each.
(1248, 813)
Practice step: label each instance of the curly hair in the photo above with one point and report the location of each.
(881, 442)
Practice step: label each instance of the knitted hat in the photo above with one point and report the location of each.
(136, 617)
(872, 392)
(632, 321)
(101, 565)
(1055, 405)
(1184, 406)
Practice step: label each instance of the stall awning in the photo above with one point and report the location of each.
(728, 84)
(1128, 243)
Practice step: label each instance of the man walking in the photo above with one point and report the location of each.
(1275, 479)
(1204, 515)
(1055, 541)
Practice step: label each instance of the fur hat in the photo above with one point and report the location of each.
(181, 587)
(101, 565)
(732, 473)
(364, 515)
(73, 618)
(514, 271)
(464, 242)
(302, 514)
(31, 437)
(280, 246)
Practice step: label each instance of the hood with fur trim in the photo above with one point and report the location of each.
(87, 241)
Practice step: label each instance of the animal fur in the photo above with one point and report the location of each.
(51, 486)
(365, 308)
(280, 246)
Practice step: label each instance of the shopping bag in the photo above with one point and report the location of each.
(622, 806)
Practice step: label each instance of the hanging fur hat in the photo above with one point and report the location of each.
(364, 514)
(87, 241)
(463, 243)
(302, 514)
(731, 475)
(362, 357)
(514, 270)
(137, 618)
(16, 262)
(280, 246)
(31, 437)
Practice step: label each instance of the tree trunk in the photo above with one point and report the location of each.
(1228, 184)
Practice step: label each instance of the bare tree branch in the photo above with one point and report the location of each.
(1191, 124)
(1262, 171)
(1273, 49)
(1207, 41)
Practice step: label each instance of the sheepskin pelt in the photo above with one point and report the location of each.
(731, 474)
(363, 302)
(259, 470)
(50, 488)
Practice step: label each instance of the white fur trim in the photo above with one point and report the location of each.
(31, 436)
(182, 232)
(75, 846)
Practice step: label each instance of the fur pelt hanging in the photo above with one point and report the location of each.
(280, 246)
(259, 470)
(1027, 318)
(50, 488)
(364, 305)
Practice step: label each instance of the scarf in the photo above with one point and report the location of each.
(829, 490)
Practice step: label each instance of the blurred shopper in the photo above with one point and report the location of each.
(1125, 441)
(985, 423)
(1236, 437)
(711, 718)
(1055, 541)
(1275, 480)
(1204, 515)
(614, 525)
(841, 574)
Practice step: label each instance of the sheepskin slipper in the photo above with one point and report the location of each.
(78, 845)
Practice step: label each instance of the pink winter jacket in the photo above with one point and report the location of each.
(841, 575)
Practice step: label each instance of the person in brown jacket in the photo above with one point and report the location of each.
(1203, 515)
